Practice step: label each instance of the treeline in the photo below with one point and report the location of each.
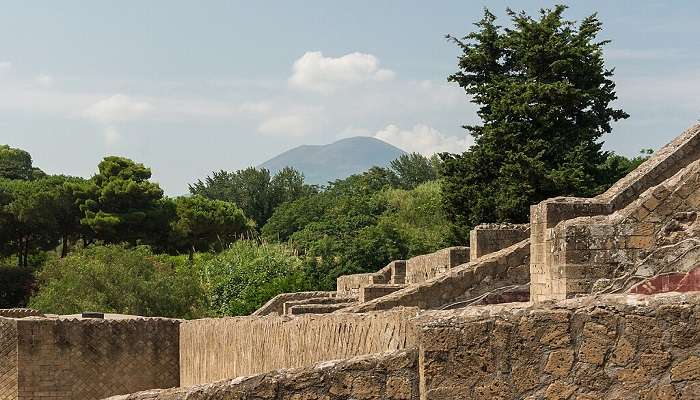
(115, 243)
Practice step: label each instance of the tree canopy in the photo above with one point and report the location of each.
(544, 98)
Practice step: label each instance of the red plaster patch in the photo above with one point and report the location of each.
(672, 282)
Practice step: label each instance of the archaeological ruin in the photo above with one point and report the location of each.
(595, 298)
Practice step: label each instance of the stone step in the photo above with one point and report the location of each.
(318, 300)
(318, 308)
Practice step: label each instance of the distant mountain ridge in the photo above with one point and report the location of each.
(321, 164)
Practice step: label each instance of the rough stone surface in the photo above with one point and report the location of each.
(8, 359)
(612, 347)
(19, 312)
(215, 349)
(390, 376)
(276, 304)
(422, 268)
(489, 238)
(464, 284)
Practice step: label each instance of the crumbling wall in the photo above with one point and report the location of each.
(618, 347)
(352, 284)
(488, 238)
(391, 376)
(214, 349)
(276, 304)
(502, 270)
(8, 359)
(656, 234)
(546, 280)
(422, 268)
(69, 359)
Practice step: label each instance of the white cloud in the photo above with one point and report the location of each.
(44, 80)
(287, 125)
(423, 139)
(116, 109)
(317, 73)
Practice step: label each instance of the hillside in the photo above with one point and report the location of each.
(323, 163)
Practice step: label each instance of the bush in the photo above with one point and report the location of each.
(117, 279)
(242, 278)
(15, 286)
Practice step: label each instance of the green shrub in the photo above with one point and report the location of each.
(242, 278)
(117, 279)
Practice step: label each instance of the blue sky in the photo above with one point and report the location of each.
(190, 87)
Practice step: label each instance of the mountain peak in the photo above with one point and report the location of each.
(321, 164)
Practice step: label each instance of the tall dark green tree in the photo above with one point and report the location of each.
(123, 205)
(413, 169)
(254, 190)
(203, 224)
(17, 164)
(544, 97)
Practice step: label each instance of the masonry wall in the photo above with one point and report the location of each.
(502, 270)
(488, 238)
(656, 234)
(391, 376)
(215, 349)
(422, 268)
(8, 359)
(620, 348)
(92, 359)
(547, 282)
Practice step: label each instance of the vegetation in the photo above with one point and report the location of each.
(544, 97)
(116, 243)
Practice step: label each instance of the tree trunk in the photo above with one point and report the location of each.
(64, 248)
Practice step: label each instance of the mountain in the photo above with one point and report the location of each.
(338, 160)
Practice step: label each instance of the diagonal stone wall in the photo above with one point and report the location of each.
(547, 279)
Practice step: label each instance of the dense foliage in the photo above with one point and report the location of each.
(117, 279)
(544, 97)
(116, 243)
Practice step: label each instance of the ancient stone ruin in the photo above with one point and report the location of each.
(594, 299)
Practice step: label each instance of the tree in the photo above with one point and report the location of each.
(254, 190)
(122, 205)
(16, 164)
(413, 169)
(117, 279)
(544, 99)
(204, 224)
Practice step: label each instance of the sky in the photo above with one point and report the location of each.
(191, 87)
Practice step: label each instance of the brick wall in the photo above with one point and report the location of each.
(8, 359)
(63, 359)
(19, 313)
(214, 349)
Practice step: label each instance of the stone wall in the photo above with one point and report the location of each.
(19, 312)
(620, 347)
(215, 349)
(488, 238)
(656, 234)
(69, 359)
(422, 268)
(502, 270)
(352, 284)
(276, 304)
(546, 283)
(8, 359)
(391, 376)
